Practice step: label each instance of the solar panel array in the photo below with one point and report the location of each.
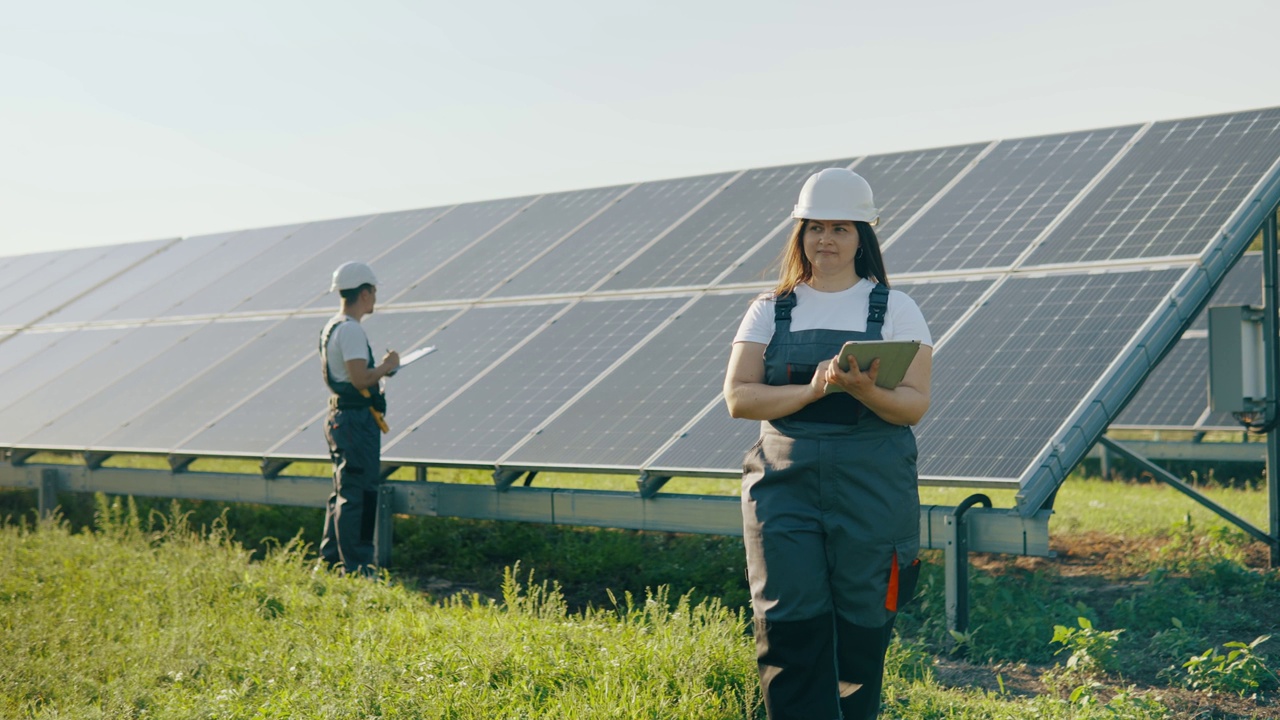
(589, 330)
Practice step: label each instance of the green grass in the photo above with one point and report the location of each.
(113, 614)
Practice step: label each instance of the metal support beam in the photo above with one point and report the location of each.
(1177, 484)
(650, 484)
(420, 473)
(94, 460)
(180, 463)
(387, 470)
(18, 457)
(271, 469)
(956, 562)
(47, 493)
(1271, 348)
(504, 479)
(382, 525)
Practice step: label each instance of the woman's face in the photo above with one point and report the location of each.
(830, 245)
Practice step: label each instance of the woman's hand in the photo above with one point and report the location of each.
(854, 381)
(818, 385)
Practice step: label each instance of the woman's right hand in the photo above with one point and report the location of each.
(818, 385)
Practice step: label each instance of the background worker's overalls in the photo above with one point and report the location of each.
(831, 521)
(355, 446)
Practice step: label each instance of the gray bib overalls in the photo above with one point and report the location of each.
(355, 447)
(831, 521)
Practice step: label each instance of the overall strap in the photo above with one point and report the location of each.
(782, 307)
(344, 390)
(877, 307)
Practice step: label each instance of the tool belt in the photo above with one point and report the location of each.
(377, 401)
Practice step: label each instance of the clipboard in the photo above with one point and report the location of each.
(415, 355)
(895, 357)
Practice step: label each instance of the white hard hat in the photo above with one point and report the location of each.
(351, 275)
(836, 194)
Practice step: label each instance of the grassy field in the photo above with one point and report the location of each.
(142, 609)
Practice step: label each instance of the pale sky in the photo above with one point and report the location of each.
(137, 120)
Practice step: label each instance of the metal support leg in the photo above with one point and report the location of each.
(1271, 347)
(957, 564)
(47, 495)
(382, 525)
(1105, 463)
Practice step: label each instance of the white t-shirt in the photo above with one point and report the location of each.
(348, 341)
(844, 310)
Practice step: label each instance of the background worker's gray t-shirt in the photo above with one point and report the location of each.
(348, 341)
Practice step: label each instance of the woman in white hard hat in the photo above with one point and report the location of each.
(830, 507)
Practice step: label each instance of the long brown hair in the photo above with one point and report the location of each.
(868, 263)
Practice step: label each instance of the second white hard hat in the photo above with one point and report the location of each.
(352, 275)
(836, 194)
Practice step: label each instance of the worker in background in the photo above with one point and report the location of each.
(356, 406)
(831, 511)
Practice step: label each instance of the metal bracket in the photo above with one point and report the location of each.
(18, 458)
(271, 469)
(180, 463)
(94, 460)
(386, 470)
(650, 484)
(504, 479)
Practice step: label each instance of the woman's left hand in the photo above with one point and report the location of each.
(854, 381)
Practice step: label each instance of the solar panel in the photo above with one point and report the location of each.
(483, 267)
(1004, 384)
(66, 350)
(716, 443)
(240, 373)
(415, 260)
(492, 415)
(100, 266)
(587, 256)
(1038, 346)
(1175, 395)
(640, 405)
(46, 401)
(309, 279)
(137, 279)
(903, 183)
(710, 241)
(1172, 193)
(97, 414)
(266, 267)
(234, 250)
(466, 346)
(293, 401)
(993, 214)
